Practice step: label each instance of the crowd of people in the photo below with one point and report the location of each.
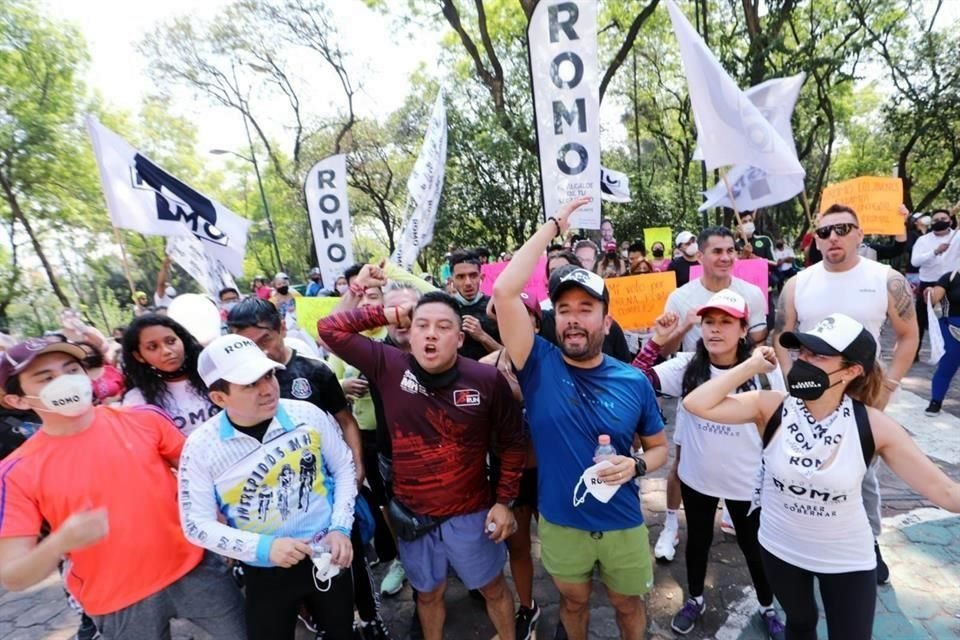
(257, 476)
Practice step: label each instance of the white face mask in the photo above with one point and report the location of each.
(594, 486)
(69, 395)
(748, 228)
(691, 249)
(342, 289)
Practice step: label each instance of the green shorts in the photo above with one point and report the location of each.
(569, 555)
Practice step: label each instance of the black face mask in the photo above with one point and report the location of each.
(658, 253)
(807, 381)
(283, 290)
(940, 225)
(779, 245)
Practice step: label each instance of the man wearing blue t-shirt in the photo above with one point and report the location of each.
(574, 394)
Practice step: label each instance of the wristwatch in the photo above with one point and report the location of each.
(509, 504)
(641, 465)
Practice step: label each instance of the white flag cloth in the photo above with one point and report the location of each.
(143, 197)
(752, 187)
(614, 186)
(326, 191)
(730, 129)
(423, 189)
(565, 76)
(190, 255)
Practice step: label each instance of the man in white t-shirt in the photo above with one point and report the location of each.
(717, 254)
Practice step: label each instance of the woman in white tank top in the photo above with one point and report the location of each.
(812, 521)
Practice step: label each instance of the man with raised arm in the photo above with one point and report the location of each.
(574, 394)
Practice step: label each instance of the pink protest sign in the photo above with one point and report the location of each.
(754, 271)
(536, 286)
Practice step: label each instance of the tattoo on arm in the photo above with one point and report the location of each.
(899, 292)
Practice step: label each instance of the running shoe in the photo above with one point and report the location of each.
(375, 630)
(773, 626)
(933, 409)
(666, 547)
(307, 619)
(726, 524)
(883, 571)
(686, 619)
(527, 621)
(393, 581)
(87, 630)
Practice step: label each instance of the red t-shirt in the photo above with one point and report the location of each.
(123, 462)
(109, 384)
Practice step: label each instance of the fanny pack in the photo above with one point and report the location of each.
(407, 525)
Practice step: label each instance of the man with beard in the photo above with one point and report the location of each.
(576, 396)
(444, 414)
(867, 291)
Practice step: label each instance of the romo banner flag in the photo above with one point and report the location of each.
(562, 38)
(614, 186)
(752, 187)
(730, 129)
(423, 189)
(143, 197)
(190, 255)
(326, 190)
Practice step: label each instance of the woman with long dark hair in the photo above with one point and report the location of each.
(160, 368)
(819, 439)
(704, 481)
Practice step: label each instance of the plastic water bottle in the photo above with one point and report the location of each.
(604, 449)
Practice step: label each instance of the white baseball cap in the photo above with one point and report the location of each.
(728, 301)
(235, 359)
(836, 335)
(684, 237)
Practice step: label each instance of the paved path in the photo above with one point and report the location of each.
(921, 545)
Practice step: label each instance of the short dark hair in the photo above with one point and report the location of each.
(556, 246)
(607, 220)
(352, 271)
(220, 385)
(637, 246)
(567, 255)
(841, 208)
(227, 290)
(460, 257)
(715, 231)
(752, 215)
(481, 252)
(12, 386)
(254, 312)
(438, 296)
(586, 242)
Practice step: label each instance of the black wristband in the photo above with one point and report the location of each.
(641, 466)
(556, 224)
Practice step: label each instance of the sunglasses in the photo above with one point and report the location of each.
(841, 229)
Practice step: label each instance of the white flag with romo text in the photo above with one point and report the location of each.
(143, 197)
(423, 190)
(326, 192)
(753, 187)
(190, 255)
(730, 128)
(614, 186)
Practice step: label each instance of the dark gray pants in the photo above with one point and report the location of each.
(207, 596)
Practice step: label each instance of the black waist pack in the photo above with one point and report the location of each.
(409, 525)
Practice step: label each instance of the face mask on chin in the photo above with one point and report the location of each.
(809, 382)
(68, 395)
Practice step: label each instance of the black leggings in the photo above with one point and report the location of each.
(701, 510)
(849, 600)
(274, 595)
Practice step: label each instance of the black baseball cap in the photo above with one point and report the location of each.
(568, 276)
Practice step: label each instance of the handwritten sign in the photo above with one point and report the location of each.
(536, 286)
(876, 201)
(636, 301)
(659, 234)
(755, 271)
(311, 310)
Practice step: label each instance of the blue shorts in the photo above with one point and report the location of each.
(460, 542)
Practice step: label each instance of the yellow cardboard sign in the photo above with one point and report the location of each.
(311, 310)
(876, 200)
(659, 234)
(636, 301)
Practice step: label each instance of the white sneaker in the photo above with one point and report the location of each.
(726, 524)
(666, 547)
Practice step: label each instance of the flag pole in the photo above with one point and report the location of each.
(123, 258)
(733, 203)
(806, 207)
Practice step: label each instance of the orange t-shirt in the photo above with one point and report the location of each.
(122, 462)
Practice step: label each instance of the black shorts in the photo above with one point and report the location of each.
(528, 484)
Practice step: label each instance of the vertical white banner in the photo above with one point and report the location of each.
(190, 254)
(326, 191)
(423, 189)
(564, 72)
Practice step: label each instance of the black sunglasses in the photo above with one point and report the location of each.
(842, 229)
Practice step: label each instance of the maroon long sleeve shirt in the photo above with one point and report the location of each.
(440, 436)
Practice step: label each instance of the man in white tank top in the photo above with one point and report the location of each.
(867, 291)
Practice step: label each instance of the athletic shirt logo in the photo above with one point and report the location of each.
(300, 388)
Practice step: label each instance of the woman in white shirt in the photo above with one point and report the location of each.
(819, 439)
(160, 368)
(934, 254)
(719, 461)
